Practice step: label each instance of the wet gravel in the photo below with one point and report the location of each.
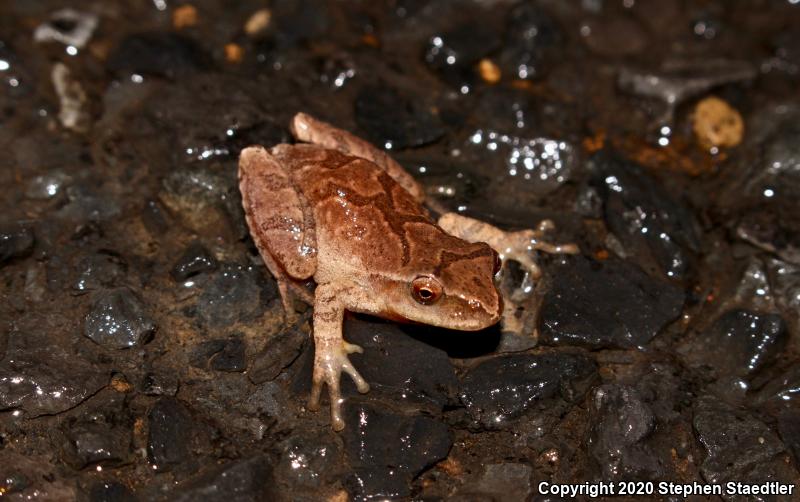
(144, 354)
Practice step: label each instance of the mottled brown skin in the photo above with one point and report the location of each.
(317, 212)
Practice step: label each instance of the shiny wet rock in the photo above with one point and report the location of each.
(41, 377)
(606, 304)
(233, 294)
(246, 480)
(504, 388)
(654, 225)
(739, 343)
(387, 450)
(196, 259)
(118, 319)
(16, 240)
(735, 440)
(618, 442)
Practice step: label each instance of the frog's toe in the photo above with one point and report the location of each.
(352, 348)
(328, 370)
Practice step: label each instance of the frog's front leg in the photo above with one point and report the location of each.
(331, 351)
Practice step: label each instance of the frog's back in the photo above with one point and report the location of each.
(360, 212)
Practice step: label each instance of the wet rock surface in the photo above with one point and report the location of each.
(144, 351)
(504, 388)
(118, 319)
(387, 450)
(606, 304)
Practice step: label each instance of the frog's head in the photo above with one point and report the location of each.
(447, 282)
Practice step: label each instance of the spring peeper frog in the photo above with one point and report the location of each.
(343, 213)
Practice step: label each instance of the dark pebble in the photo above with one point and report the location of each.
(98, 271)
(621, 423)
(248, 480)
(118, 320)
(309, 460)
(501, 389)
(531, 38)
(164, 54)
(392, 121)
(160, 384)
(735, 440)
(111, 491)
(606, 304)
(16, 241)
(195, 260)
(170, 426)
(234, 294)
(739, 343)
(387, 450)
(221, 355)
(40, 377)
(654, 226)
(278, 353)
(454, 54)
(96, 443)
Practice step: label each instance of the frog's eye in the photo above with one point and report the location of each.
(426, 290)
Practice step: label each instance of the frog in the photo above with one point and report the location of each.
(334, 212)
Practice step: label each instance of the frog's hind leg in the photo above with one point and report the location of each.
(280, 222)
(311, 130)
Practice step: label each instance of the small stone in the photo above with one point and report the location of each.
(221, 355)
(40, 377)
(455, 53)
(392, 121)
(258, 22)
(48, 185)
(248, 480)
(621, 423)
(278, 353)
(69, 27)
(717, 124)
(233, 295)
(533, 39)
(739, 343)
(96, 443)
(734, 439)
(16, 241)
(118, 320)
(490, 72)
(170, 432)
(234, 53)
(164, 54)
(195, 260)
(185, 16)
(606, 304)
(309, 460)
(101, 270)
(502, 389)
(387, 450)
(654, 225)
(160, 384)
(73, 113)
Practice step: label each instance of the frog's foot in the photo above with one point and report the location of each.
(329, 363)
